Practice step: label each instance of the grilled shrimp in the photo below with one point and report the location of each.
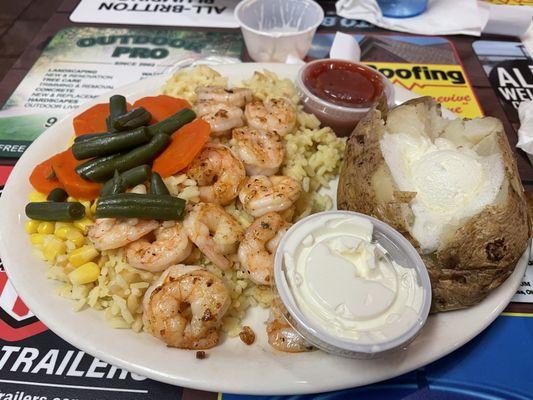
(236, 97)
(262, 194)
(256, 251)
(218, 174)
(216, 233)
(281, 335)
(220, 116)
(276, 115)
(171, 246)
(112, 233)
(185, 306)
(260, 151)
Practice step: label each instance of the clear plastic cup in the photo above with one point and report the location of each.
(395, 246)
(341, 119)
(276, 29)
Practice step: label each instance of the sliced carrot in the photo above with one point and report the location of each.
(43, 178)
(161, 106)
(64, 165)
(93, 119)
(184, 145)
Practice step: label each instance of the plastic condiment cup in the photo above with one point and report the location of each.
(396, 248)
(276, 29)
(341, 119)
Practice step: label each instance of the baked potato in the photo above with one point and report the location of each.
(450, 186)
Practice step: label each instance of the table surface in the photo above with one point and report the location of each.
(26, 26)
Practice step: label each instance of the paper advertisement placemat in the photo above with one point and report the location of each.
(427, 66)
(80, 64)
(206, 13)
(508, 66)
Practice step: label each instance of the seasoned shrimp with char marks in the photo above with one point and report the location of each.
(257, 249)
(185, 306)
(216, 233)
(275, 115)
(171, 246)
(218, 174)
(281, 335)
(260, 151)
(262, 194)
(236, 96)
(221, 117)
(112, 233)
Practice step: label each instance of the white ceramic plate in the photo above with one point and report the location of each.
(232, 366)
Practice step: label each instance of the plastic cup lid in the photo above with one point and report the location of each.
(397, 247)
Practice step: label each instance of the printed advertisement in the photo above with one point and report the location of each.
(447, 84)
(80, 64)
(508, 66)
(208, 13)
(427, 66)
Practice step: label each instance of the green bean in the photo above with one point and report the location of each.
(147, 206)
(110, 143)
(112, 186)
(157, 186)
(60, 211)
(57, 195)
(117, 107)
(88, 136)
(141, 155)
(89, 165)
(120, 182)
(173, 123)
(132, 119)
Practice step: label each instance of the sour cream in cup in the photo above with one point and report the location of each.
(352, 285)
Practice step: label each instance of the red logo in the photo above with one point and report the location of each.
(5, 170)
(17, 322)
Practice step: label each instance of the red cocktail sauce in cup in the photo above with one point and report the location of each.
(341, 92)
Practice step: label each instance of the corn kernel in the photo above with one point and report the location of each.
(71, 233)
(36, 197)
(82, 255)
(86, 273)
(71, 199)
(61, 232)
(71, 140)
(70, 246)
(93, 207)
(76, 237)
(37, 238)
(83, 224)
(87, 205)
(60, 225)
(55, 247)
(31, 226)
(46, 228)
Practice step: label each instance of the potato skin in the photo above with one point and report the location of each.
(478, 257)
